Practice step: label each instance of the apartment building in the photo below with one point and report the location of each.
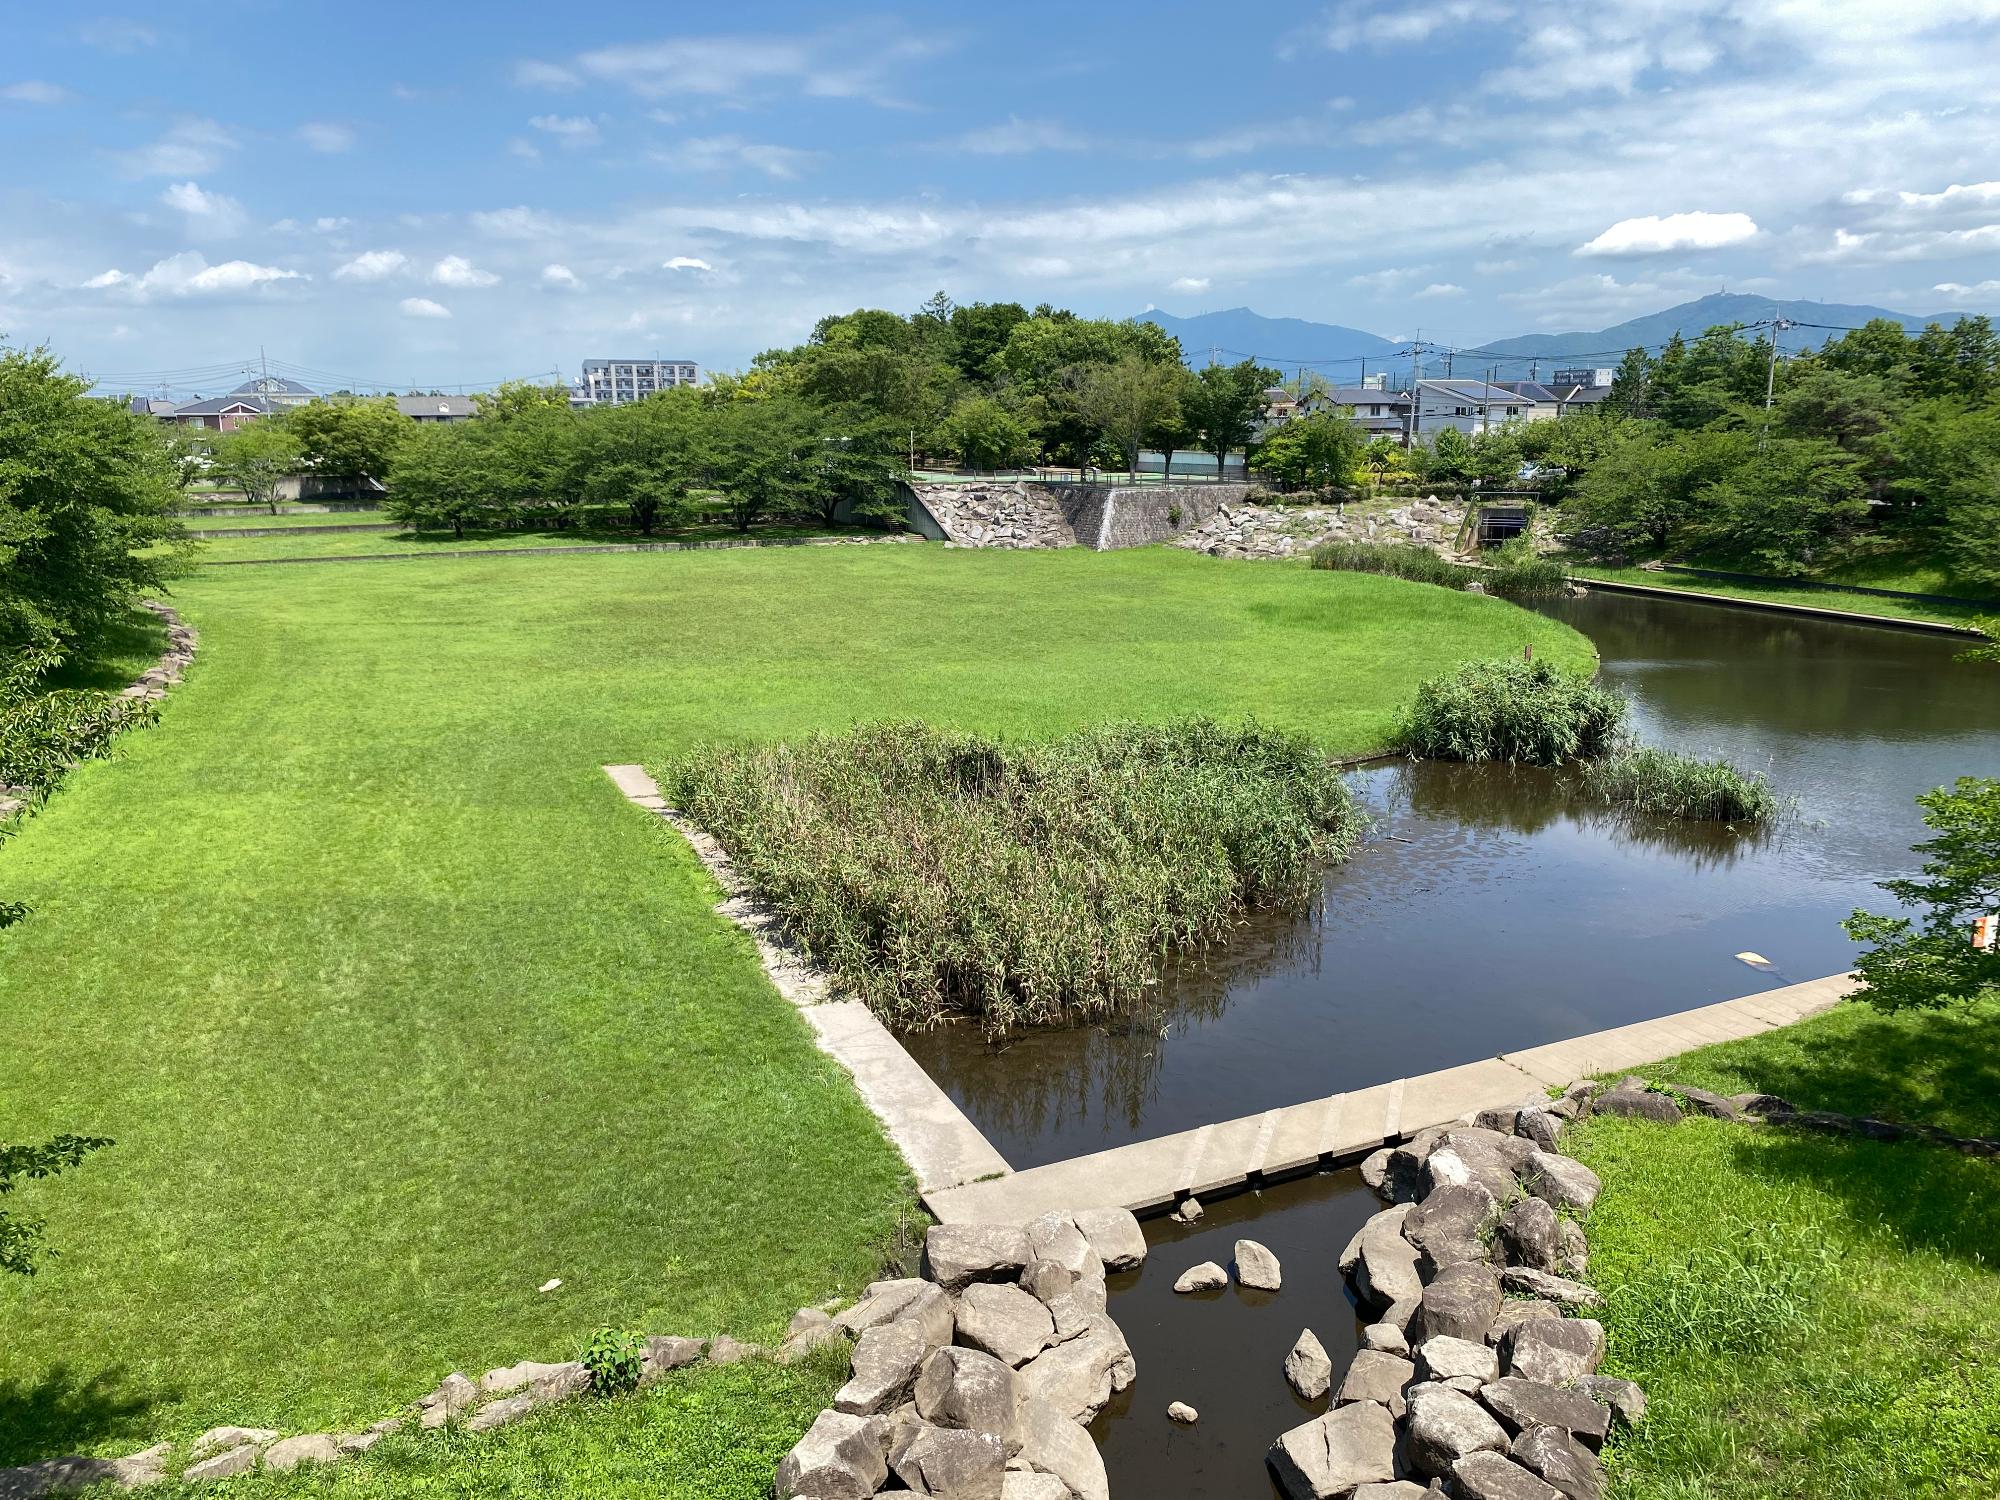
(613, 382)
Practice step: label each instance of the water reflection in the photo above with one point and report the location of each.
(1493, 907)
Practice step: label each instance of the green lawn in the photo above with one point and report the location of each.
(261, 518)
(1813, 1318)
(396, 1009)
(418, 544)
(1858, 604)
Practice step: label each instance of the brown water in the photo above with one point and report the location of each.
(1492, 909)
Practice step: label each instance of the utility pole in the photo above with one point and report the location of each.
(1778, 326)
(1447, 362)
(1416, 387)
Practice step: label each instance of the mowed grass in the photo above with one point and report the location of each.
(396, 1010)
(1856, 604)
(434, 543)
(1813, 1318)
(261, 519)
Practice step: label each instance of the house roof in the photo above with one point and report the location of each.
(272, 385)
(1469, 390)
(216, 406)
(1583, 395)
(436, 406)
(1528, 390)
(1365, 395)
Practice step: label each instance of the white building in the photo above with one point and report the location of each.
(1472, 406)
(614, 382)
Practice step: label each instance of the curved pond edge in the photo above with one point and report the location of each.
(1774, 606)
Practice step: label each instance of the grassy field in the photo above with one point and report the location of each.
(430, 543)
(396, 1010)
(1813, 1318)
(261, 518)
(1859, 604)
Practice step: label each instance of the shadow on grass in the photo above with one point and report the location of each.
(126, 649)
(64, 1411)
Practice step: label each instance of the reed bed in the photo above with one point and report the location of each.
(1513, 711)
(1397, 560)
(1667, 784)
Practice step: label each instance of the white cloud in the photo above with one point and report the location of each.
(1440, 289)
(189, 148)
(456, 270)
(721, 153)
(189, 275)
(572, 130)
(1385, 280)
(327, 136)
(525, 150)
(35, 91)
(685, 263)
(1977, 194)
(559, 275)
(542, 75)
(207, 213)
(423, 307)
(1654, 234)
(1354, 25)
(372, 265)
(852, 61)
(116, 34)
(517, 223)
(331, 223)
(1958, 291)
(1018, 137)
(1188, 284)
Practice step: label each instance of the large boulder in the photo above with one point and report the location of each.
(841, 1457)
(956, 1255)
(1516, 1311)
(1004, 1321)
(1446, 1226)
(1560, 1461)
(667, 1352)
(1257, 1268)
(1555, 1351)
(884, 1365)
(1561, 1181)
(1494, 1476)
(950, 1463)
(1521, 1404)
(975, 1392)
(1533, 1283)
(1386, 1271)
(1702, 1102)
(312, 1448)
(1329, 1456)
(1543, 1126)
(1050, 1443)
(1531, 1234)
(1206, 1277)
(1385, 1338)
(1634, 1100)
(892, 1301)
(1055, 1237)
(1444, 1425)
(1458, 1363)
(1307, 1368)
(1377, 1378)
(1078, 1376)
(1115, 1235)
(1621, 1397)
(1462, 1302)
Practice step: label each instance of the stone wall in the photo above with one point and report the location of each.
(1021, 513)
(1255, 529)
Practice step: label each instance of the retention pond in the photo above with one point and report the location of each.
(1493, 909)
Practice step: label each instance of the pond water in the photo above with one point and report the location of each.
(1492, 909)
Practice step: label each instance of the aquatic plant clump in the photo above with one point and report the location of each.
(1665, 783)
(1397, 560)
(1520, 572)
(1513, 711)
(939, 874)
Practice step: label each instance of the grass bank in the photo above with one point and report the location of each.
(1813, 1318)
(397, 1010)
(431, 543)
(1853, 604)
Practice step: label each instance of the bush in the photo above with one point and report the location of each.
(1418, 564)
(1520, 572)
(1514, 711)
(938, 873)
(615, 1360)
(1668, 784)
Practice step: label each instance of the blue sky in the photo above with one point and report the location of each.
(444, 194)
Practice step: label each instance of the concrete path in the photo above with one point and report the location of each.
(1150, 1176)
(943, 1147)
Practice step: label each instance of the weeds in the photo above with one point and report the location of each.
(1520, 572)
(939, 873)
(1739, 1294)
(1512, 711)
(1418, 564)
(1665, 783)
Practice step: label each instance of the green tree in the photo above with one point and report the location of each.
(513, 397)
(985, 434)
(87, 491)
(445, 476)
(258, 457)
(1315, 451)
(1129, 399)
(1784, 506)
(1224, 406)
(350, 440)
(1381, 458)
(643, 456)
(22, 1242)
(1929, 960)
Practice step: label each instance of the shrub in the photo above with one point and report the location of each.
(41, 737)
(938, 873)
(1418, 564)
(615, 1359)
(1668, 784)
(1520, 572)
(1514, 711)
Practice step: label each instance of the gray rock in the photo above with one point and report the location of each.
(1514, 1312)
(1375, 1174)
(884, 1368)
(841, 1457)
(1055, 1237)
(1307, 1367)
(1189, 1211)
(1702, 1102)
(1448, 1360)
(665, 1352)
(1331, 1455)
(1387, 1270)
(1052, 1444)
(1560, 1461)
(453, 1395)
(1206, 1277)
(1556, 1288)
(1521, 1404)
(1561, 1181)
(1072, 1312)
(217, 1438)
(1078, 1376)
(1026, 1484)
(1622, 1397)
(1638, 1103)
(1575, 1258)
(499, 1413)
(957, 1254)
(1542, 1126)
(902, 1301)
(50, 1476)
(950, 1463)
(1462, 1302)
(1046, 1281)
(356, 1442)
(1257, 1267)
(1444, 1425)
(1004, 1321)
(238, 1460)
(804, 1339)
(136, 1470)
(1377, 1378)
(1762, 1106)
(1385, 1338)
(554, 1381)
(1406, 1315)
(312, 1448)
(1445, 1227)
(1115, 1235)
(1555, 1351)
(1501, 1117)
(966, 1389)
(1531, 1235)
(1403, 1173)
(724, 1350)
(1394, 1489)
(1494, 1476)
(1181, 1412)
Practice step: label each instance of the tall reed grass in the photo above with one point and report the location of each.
(940, 874)
(1512, 711)
(1667, 784)
(1398, 560)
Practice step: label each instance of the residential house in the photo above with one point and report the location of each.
(614, 382)
(429, 409)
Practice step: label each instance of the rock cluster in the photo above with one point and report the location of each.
(998, 515)
(1474, 1380)
(1249, 529)
(977, 1378)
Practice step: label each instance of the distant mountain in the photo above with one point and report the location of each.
(1292, 344)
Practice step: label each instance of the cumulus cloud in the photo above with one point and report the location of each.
(517, 223)
(1655, 234)
(327, 136)
(190, 275)
(560, 275)
(372, 265)
(853, 61)
(1385, 280)
(35, 91)
(207, 212)
(1188, 284)
(573, 131)
(685, 263)
(456, 270)
(1958, 291)
(423, 307)
(1019, 137)
(1441, 289)
(190, 148)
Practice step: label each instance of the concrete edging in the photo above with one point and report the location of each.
(1772, 606)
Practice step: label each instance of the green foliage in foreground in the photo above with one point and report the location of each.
(1514, 711)
(1667, 784)
(615, 1360)
(942, 873)
(1394, 559)
(1929, 960)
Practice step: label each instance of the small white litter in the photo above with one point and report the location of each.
(551, 1284)
(1755, 960)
